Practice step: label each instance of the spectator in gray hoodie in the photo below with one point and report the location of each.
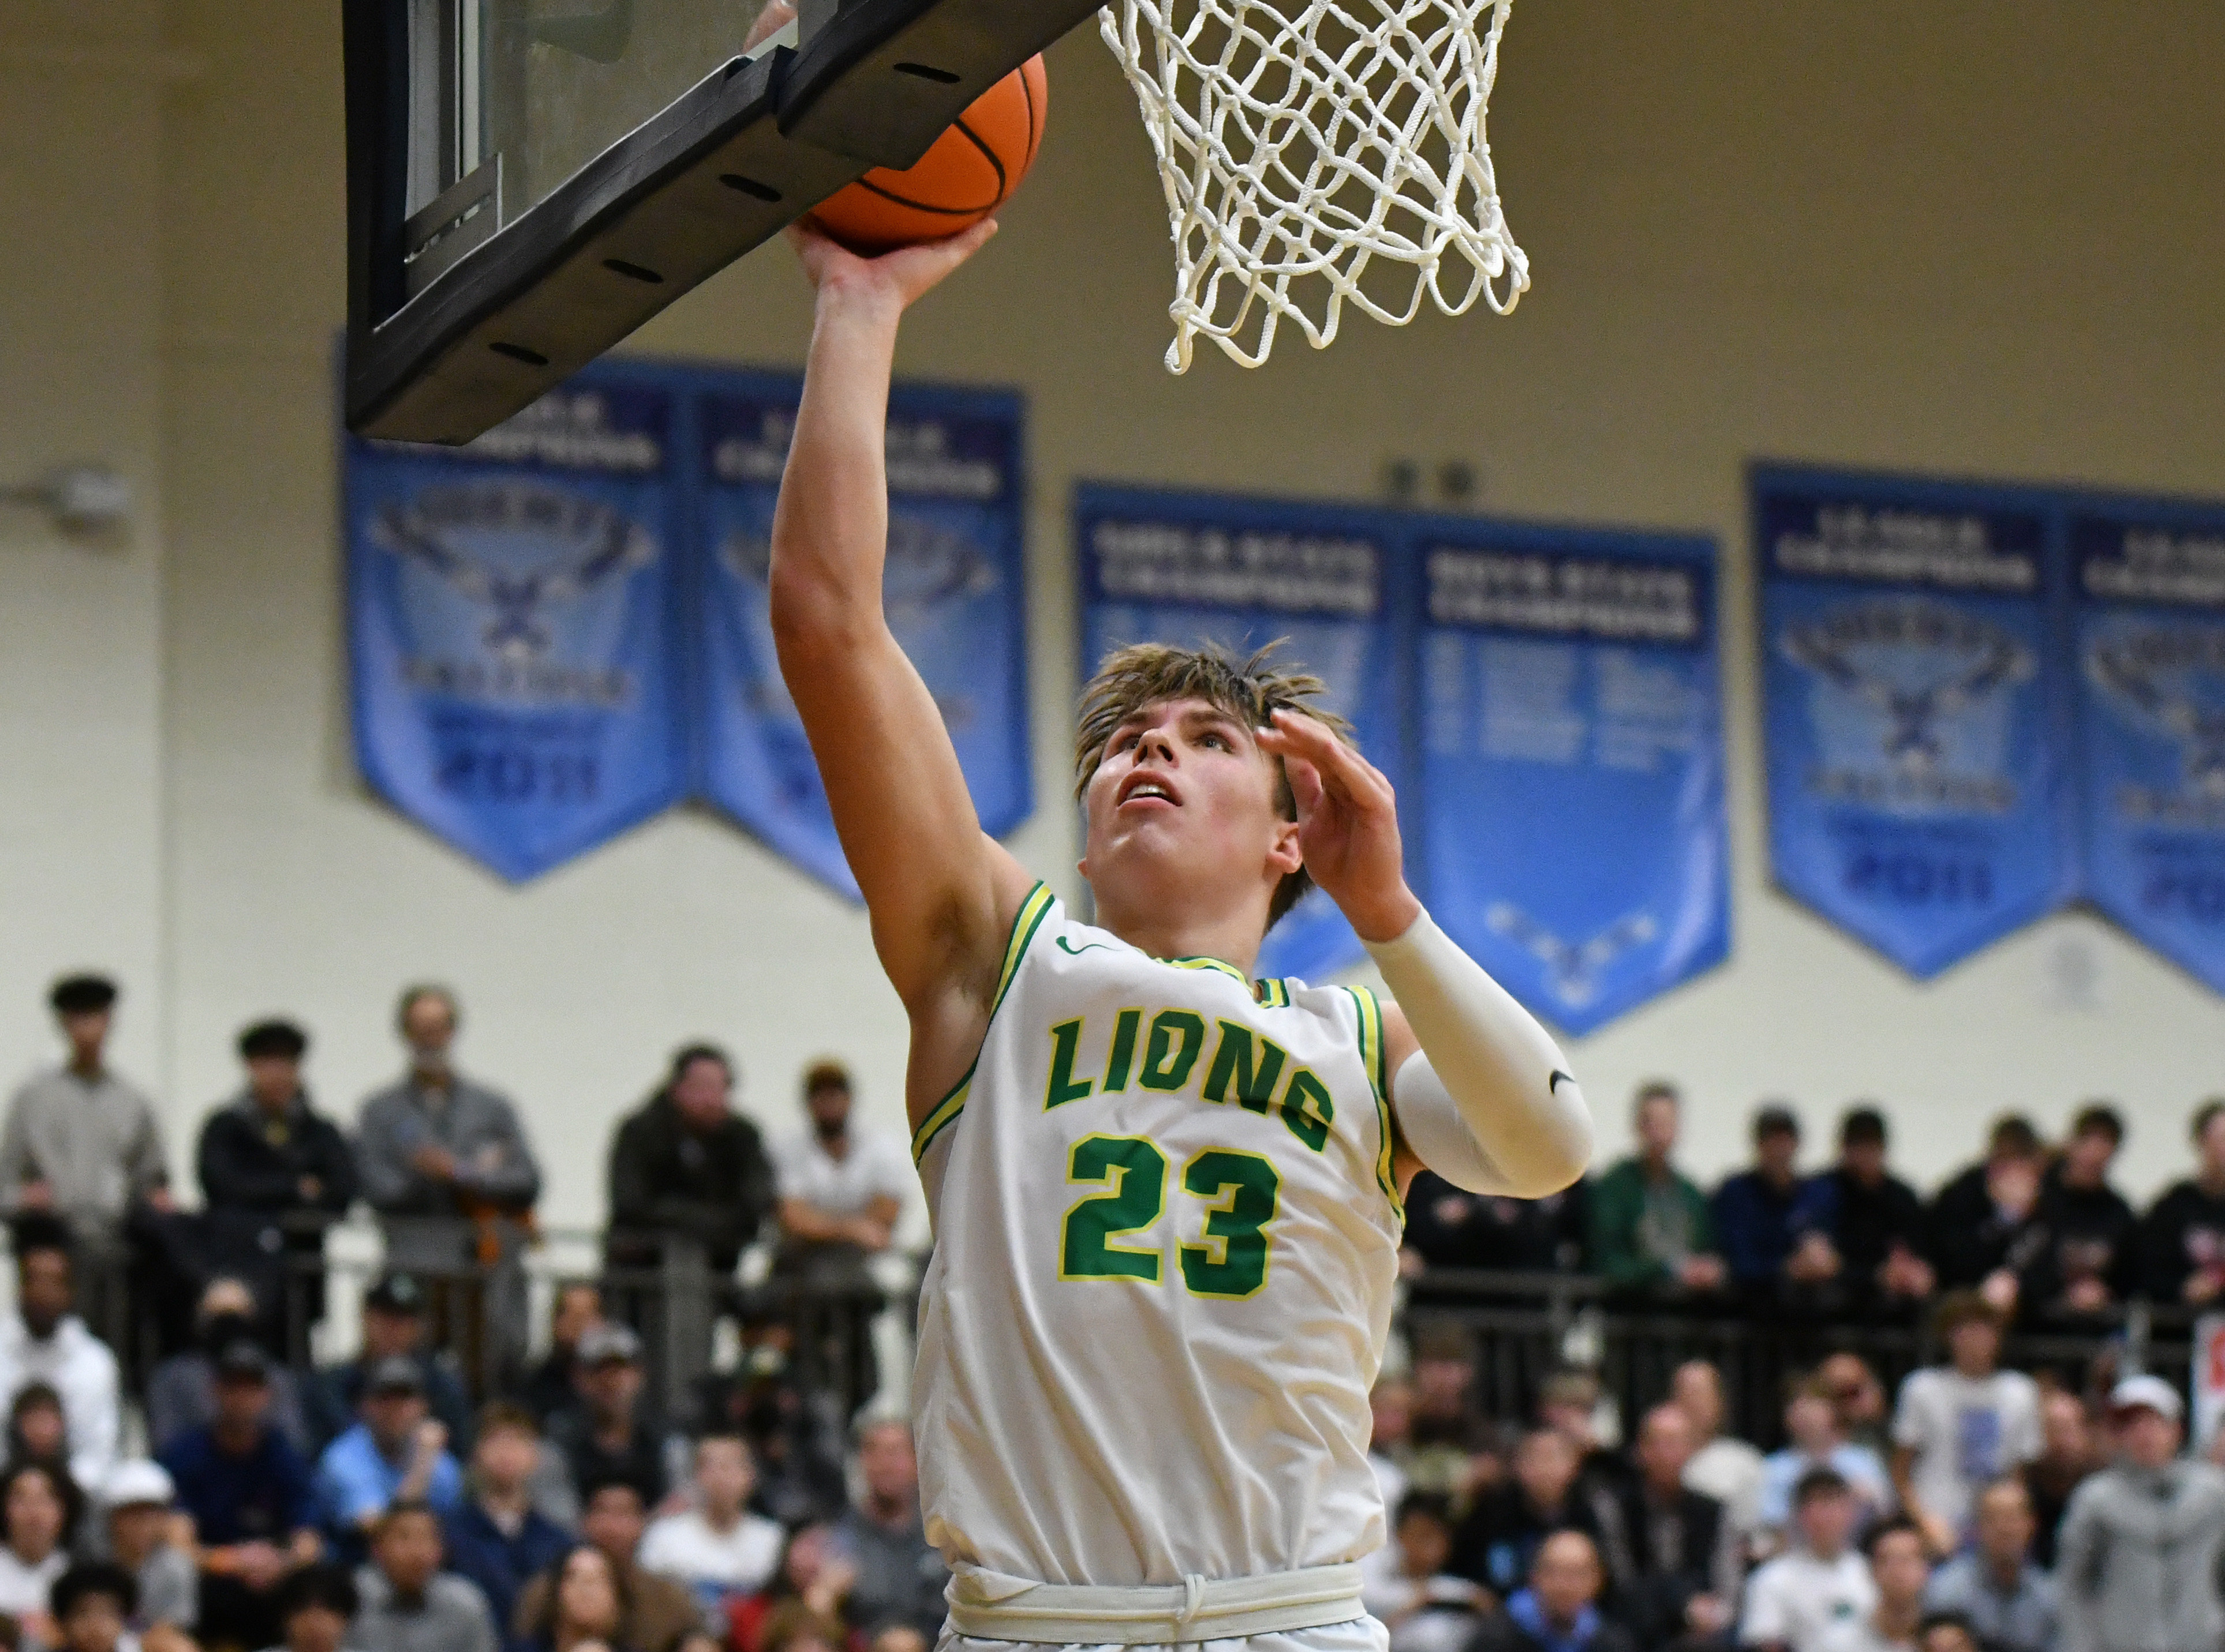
(2138, 1560)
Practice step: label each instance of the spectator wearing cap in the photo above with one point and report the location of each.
(1986, 1225)
(446, 1164)
(1878, 1225)
(250, 1499)
(408, 1604)
(2139, 1557)
(81, 1141)
(393, 1329)
(1651, 1231)
(2183, 1237)
(612, 1431)
(273, 1170)
(1772, 1225)
(656, 1613)
(1819, 1581)
(1957, 1426)
(139, 1499)
(316, 1605)
(2091, 1263)
(1993, 1584)
(686, 1163)
(498, 1539)
(181, 1393)
(43, 1341)
(397, 1454)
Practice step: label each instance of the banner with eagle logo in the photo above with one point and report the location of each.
(1915, 700)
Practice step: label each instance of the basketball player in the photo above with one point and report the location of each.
(1166, 1197)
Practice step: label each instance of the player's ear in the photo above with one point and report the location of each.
(1283, 855)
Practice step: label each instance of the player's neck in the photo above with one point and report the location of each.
(1232, 938)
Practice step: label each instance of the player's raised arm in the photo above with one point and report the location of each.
(1482, 1094)
(941, 893)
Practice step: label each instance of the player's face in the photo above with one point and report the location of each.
(1184, 799)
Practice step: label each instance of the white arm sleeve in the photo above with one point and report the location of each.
(1488, 1103)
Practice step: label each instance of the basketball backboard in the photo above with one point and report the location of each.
(529, 180)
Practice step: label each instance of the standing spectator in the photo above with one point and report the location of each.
(393, 1329)
(1773, 1227)
(1500, 1538)
(1727, 1469)
(81, 1140)
(2092, 1261)
(1988, 1232)
(2184, 1233)
(409, 1604)
(250, 1500)
(181, 1394)
(446, 1164)
(1877, 1221)
(1559, 1612)
(273, 1171)
(1651, 1231)
(549, 1386)
(43, 1341)
(1819, 1581)
(1450, 1228)
(93, 1604)
(718, 1547)
(397, 1454)
(2067, 1456)
(1993, 1585)
(1960, 1424)
(1898, 1567)
(2141, 1544)
(686, 1162)
(140, 1500)
(1963, 1199)
(497, 1540)
(1812, 1421)
(33, 1518)
(1672, 1558)
(900, 1577)
(658, 1613)
(316, 1604)
(611, 1431)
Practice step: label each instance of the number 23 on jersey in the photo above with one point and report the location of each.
(1238, 1194)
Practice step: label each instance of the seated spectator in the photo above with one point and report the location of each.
(1672, 1558)
(393, 1329)
(1859, 1398)
(1946, 1632)
(2182, 1239)
(612, 1429)
(718, 1549)
(1447, 1438)
(1569, 1401)
(315, 1606)
(1496, 1543)
(796, 1628)
(33, 1518)
(1986, 1224)
(181, 1393)
(810, 1575)
(93, 1604)
(38, 1434)
(1877, 1222)
(1559, 1612)
(1811, 1423)
(1723, 1468)
(1407, 1588)
(1898, 1565)
(656, 1613)
(42, 1341)
(1821, 1580)
(397, 1453)
(900, 1576)
(1960, 1424)
(497, 1540)
(687, 1163)
(408, 1604)
(1993, 1585)
(2067, 1456)
(1390, 1440)
(2092, 1262)
(897, 1637)
(585, 1610)
(250, 1501)
(275, 1171)
(1773, 1227)
(1448, 1229)
(794, 1431)
(1651, 1231)
(140, 1504)
(549, 1386)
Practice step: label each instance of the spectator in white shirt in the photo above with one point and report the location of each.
(1819, 1581)
(1898, 1565)
(718, 1549)
(32, 1516)
(1960, 1426)
(43, 1342)
(1727, 1469)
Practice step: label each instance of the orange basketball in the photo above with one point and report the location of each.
(966, 174)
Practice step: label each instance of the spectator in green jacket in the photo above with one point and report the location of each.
(1652, 1230)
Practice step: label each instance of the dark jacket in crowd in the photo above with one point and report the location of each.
(646, 1462)
(1451, 1228)
(1494, 1545)
(667, 1178)
(2185, 1229)
(252, 1166)
(499, 1563)
(1758, 1224)
(795, 1433)
(1972, 1238)
(2092, 1233)
(1868, 1223)
(1659, 1556)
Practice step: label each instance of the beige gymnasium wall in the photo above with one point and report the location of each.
(1978, 239)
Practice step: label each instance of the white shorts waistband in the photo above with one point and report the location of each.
(997, 1606)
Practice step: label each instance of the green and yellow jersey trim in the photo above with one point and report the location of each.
(1273, 994)
(1025, 922)
(1372, 1057)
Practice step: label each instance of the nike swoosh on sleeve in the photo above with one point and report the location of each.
(1097, 946)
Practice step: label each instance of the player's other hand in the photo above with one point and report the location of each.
(895, 281)
(1347, 825)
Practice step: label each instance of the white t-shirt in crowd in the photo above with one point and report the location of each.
(1729, 1471)
(1964, 1432)
(1862, 1634)
(740, 1561)
(27, 1588)
(875, 1165)
(1797, 1597)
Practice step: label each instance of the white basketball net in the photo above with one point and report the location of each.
(1303, 142)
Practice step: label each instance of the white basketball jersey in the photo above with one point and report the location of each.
(1166, 1240)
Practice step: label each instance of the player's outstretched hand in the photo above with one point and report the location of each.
(901, 277)
(1347, 825)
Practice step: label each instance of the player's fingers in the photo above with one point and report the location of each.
(920, 268)
(1344, 770)
(1305, 787)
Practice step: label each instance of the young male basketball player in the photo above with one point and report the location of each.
(1166, 1197)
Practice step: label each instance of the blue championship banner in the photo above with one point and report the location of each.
(1573, 833)
(1191, 568)
(2149, 631)
(513, 625)
(1913, 708)
(954, 591)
